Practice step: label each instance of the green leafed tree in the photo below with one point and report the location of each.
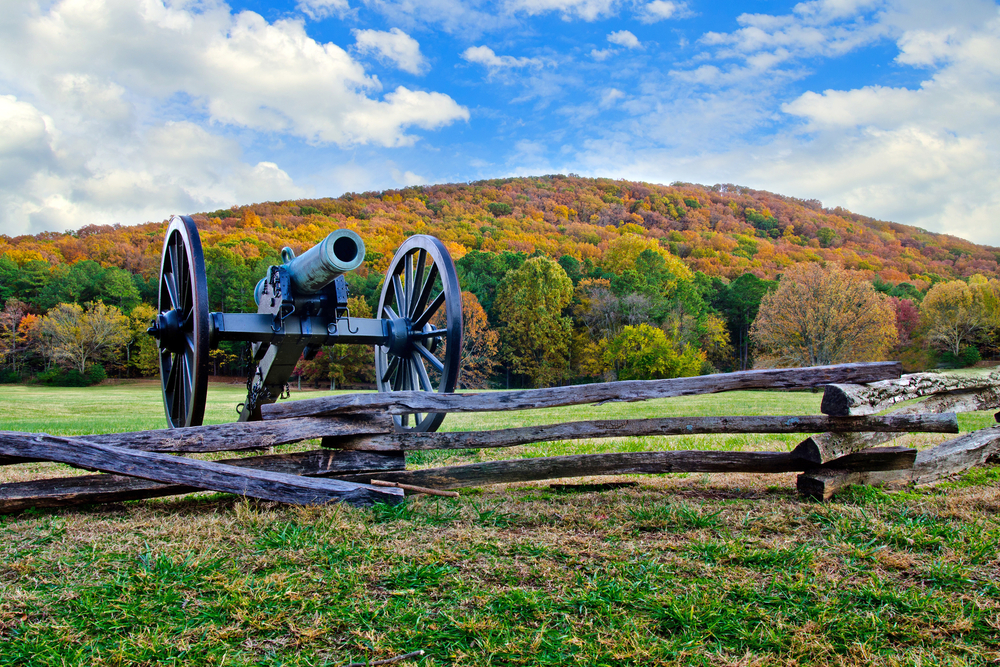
(536, 336)
(644, 352)
(481, 273)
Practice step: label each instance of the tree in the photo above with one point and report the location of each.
(739, 302)
(536, 337)
(957, 314)
(79, 337)
(145, 359)
(230, 283)
(482, 272)
(907, 318)
(10, 319)
(644, 352)
(480, 345)
(818, 317)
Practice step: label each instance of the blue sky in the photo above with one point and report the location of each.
(131, 110)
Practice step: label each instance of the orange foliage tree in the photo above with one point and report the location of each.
(818, 317)
(480, 344)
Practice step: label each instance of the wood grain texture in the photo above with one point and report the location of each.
(616, 428)
(237, 436)
(88, 489)
(930, 466)
(169, 469)
(582, 465)
(406, 402)
(825, 447)
(857, 399)
(823, 485)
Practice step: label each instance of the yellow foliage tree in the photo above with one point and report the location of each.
(79, 337)
(625, 250)
(956, 313)
(818, 317)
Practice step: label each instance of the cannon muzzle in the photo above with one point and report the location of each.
(340, 252)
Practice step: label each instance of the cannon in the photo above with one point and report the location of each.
(302, 306)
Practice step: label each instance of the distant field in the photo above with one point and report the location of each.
(678, 570)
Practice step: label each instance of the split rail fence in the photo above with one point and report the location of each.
(361, 453)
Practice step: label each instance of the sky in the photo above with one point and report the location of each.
(126, 111)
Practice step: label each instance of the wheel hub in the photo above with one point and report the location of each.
(167, 329)
(400, 340)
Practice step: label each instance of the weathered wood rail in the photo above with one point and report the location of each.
(360, 446)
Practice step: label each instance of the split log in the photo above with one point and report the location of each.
(89, 489)
(207, 475)
(583, 465)
(841, 400)
(616, 428)
(931, 465)
(233, 437)
(825, 447)
(824, 484)
(408, 402)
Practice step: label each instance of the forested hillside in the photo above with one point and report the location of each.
(621, 267)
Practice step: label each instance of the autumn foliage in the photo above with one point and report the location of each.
(823, 316)
(692, 262)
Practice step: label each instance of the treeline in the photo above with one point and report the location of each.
(566, 279)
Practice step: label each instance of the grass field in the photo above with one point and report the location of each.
(680, 569)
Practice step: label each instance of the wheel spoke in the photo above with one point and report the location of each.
(400, 377)
(169, 281)
(408, 276)
(425, 381)
(175, 274)
(171, 388)
(184, 279)
(426, 354)
(392, 313)
(400, 294)
(187, 385)
(426, 316)
(425, 294)
(418, 280)
(391, 368)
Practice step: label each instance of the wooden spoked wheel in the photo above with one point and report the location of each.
(182, 324)
(422, 301)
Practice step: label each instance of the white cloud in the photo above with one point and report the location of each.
(588, 10)
(321, 9)
(395, 46)
(111, 94)
(661, 10)
(624, 38)
(926, 155)
(485, 56)
(610, 97)
(456, 17)
(602, 54)
(243, 70)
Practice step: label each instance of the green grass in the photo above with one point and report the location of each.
(679, 570)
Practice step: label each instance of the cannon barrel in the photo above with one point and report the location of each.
(340, 252)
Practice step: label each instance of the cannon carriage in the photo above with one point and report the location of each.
(302, 306)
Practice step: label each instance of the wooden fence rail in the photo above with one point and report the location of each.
(407, 402)
(361, 447)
